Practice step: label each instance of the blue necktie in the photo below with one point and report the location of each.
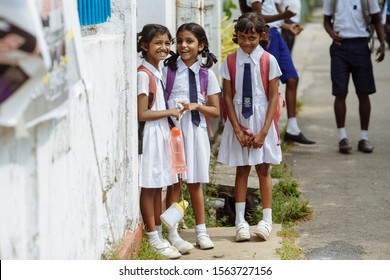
(247, 110)
(193, 97)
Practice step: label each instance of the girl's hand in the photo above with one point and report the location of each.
(190, 106)
(258, 140)
(244, 139)
(175, 112)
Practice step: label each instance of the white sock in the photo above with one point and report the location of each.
(240, 212)
(200, 229)
(267, 215)
(342, 133)
(159, 230)
(292, 126)
(173, 233)
(364, 135)
(153, 237)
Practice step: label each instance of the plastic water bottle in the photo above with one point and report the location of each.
(177, 149)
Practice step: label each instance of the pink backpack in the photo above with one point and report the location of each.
(264, 74)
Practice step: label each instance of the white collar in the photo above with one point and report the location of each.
(152, 69)
(255, 55)
(181, 66)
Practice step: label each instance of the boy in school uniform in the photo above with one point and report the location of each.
(350, 54)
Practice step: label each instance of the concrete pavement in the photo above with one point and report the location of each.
(349, 193)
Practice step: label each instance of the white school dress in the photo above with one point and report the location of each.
(230, 150)
(155, 164)
(196, 139)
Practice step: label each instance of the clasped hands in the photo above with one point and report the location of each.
(185, 106)
(255, 141)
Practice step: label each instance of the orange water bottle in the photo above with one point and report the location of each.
(177, 149)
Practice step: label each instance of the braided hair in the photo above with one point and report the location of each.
(208, 58)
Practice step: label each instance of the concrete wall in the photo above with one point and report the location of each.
(70, 189)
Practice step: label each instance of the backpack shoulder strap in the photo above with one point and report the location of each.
(152, 85)
(171, 74)
(231, 63)
(203, 80)
(264, 71)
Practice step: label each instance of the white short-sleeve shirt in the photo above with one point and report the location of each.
(348, 17)
(268, 8)
(259, 96)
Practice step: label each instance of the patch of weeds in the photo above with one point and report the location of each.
(146, 252)
(109, 251)
(289, 250)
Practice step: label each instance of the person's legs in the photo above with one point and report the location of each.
(364, 111)
(264, 227)
(147, 208)
(173, 194)
(363, 78)
(279, 49)
(340, 109)
(240, 190)
(147, 203)
(197, 200)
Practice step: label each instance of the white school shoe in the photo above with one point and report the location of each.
(242, 232)
(166, 250)
(181, 245)
(263, 230)
(204, 241)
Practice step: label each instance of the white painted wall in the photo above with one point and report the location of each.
(70, 189)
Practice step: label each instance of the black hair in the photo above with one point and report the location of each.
(147, 34)
(249, 21)
(200, 34)
(244, 7)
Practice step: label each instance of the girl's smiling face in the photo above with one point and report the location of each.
(248, 41)
(188, 47)
(158, 49)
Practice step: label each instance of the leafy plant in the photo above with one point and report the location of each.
(227, 6)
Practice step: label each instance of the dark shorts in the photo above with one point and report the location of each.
(279, 49)
(352, 56)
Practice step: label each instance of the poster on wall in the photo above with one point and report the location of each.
(43, 92)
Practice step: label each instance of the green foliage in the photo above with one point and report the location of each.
(146, 252)
(228, 46)
(227, 6)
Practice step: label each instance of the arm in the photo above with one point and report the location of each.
(227, 92)
(377, 21)
(210, 110)
(329, 29)
(256, 6)
(144, 114)
(259, 137)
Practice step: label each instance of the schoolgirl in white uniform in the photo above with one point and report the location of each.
(191, 42)
(262, 148)
(154, 43)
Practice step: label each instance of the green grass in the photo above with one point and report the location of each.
(146, 252)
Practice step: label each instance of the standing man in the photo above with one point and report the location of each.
(350, 54)
(278, 48)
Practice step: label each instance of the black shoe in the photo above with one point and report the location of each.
(300, 138)
(365, 146)
(344, 146)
